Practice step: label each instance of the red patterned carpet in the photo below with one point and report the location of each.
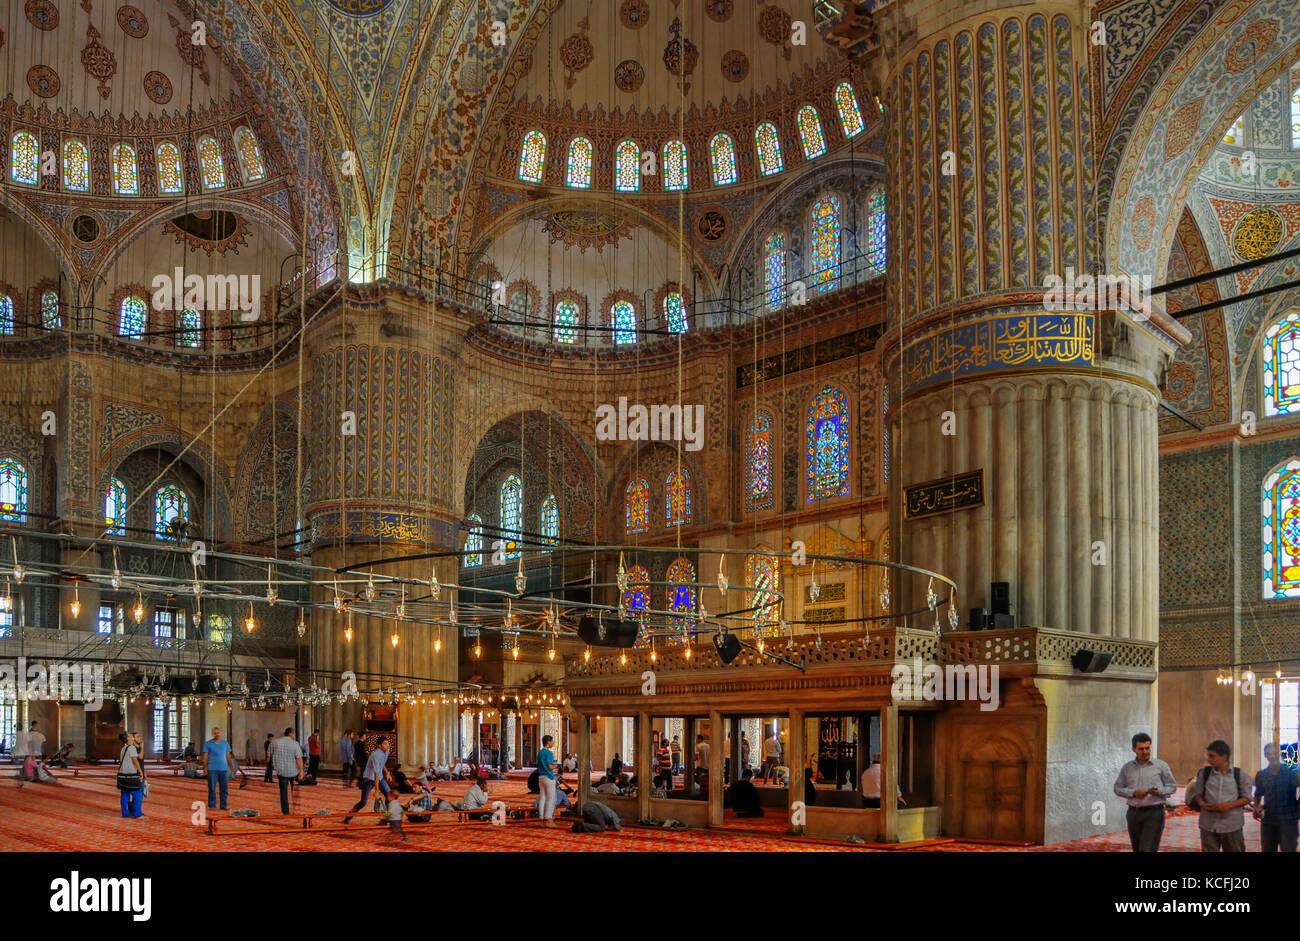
(83, 814)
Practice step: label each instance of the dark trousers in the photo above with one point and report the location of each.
(347, 772)
(1232, 842)
(270, 770)
(313, 765)
(286, 790)
(1145, 827)
(1280, 835)
(769, 768)
(216, 778)
(367, 785)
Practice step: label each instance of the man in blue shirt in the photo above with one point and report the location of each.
(1275, 803)
(546, 766)
(216, 766)
(372, 777)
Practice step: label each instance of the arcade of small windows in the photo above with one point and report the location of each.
(566, 322)
(675, 314)
(250, 156)
(188, 326)
(212, 166)
(768, 144)
(722, 159)
(532, 157)
(126, 174)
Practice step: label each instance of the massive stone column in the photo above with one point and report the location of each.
(383, 393)
(989, 195)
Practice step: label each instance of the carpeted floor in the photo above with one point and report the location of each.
(83, 814)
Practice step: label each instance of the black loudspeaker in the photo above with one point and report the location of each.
(1000, 597)
(1002, 622)
(206, 684)
(979, 618)
(1087, 660)
(728, 646)
(617, 633)
(179, 685)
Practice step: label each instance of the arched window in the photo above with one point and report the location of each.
(810, 132)
(722, 159)
(636, 506)
(1281, 532)
(636, 597)
(1295, 118)
(827, 447)
(876, 230)
(188, 325)
(250, 155)
(624, 317)
(677, 175)
(824, 221)
(512, 515)
(763, 579)
(550, 522)
(126, 175)
(758, 464)
(76, 167)
(170, 178)
(6, 315)
(131, 320)
(850, 114)
(25, 159)
(675, 314)
(681, 590)
(1282, 366)
(115, 508)
(677, 497)
(774, 269)
(1236, 132)
(170, 504)
(212, 165)
(768, 143)
(578, 171)
(13, 492)
(50, 315)
(627, 167)
(474, 542)
(566, 322)
(532, 157)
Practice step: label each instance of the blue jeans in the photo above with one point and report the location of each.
(367, 785)
(215, 778)
(133, 803)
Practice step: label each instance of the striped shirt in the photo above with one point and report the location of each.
(285, 755)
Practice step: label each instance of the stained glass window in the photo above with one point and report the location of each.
(1281, 532)
(763, 579)
(578, 172)
(170, 179)
(827, 448)
(126, 175)
(566, 322)
(850, 114)
(188, 324)
(677, 175)
(550, 522)
(211, 164)
(1282, 366)
(677, 497)
(675, 313)
(636, 505)
(512, 515)
(532, 157)
(474, 542)
(1235, 134)
(768, 143)
(25, 159)
(624, 315)
(825, 224)
(50, 315)
(6, 314)
(115, 508)
(810, 132)
(250, 155)
(13, 492)
(876, 230)
(722, 159)
(681, 590)
(131, 321)
(169, 503)
(758, 464)
(637, 594)
(76, 167)
(627, 167)
(774, 269)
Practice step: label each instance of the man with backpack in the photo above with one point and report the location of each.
(1219, 792)
(1275, 803)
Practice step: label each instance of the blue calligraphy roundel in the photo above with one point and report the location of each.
(360, 7)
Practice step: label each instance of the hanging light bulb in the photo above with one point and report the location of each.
(622, 658)
(586, 654)
(197, 617)
(19, 572)
(401, 605)
(514, 651)
(953, 618)
(550, 654)
(75, 607)
(138, 611)
(394, 639)
(370, 587)
(437, 644)
(272, 595)
(338, 599)
(521, 580)
(250, 624)
(451, 614)
(884, 599)
(302, 623)
(347, 631)
(478, 649)
(622, 610)
(931, 599)
(654, 656)
(116, 580)
(760, 645)
(688, 650)
(510, 616)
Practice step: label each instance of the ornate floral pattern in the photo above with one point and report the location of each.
(576, 52)
(158, 87)
(43, 80)
(42, 14)
(132, 21)
(634, 13)
(628, 75)
(99, 62)
(735, 65)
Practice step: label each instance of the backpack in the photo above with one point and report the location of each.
(1202, 778)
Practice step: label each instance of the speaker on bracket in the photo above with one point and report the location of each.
(728, 646)
(1087, 660)
(1000, 597)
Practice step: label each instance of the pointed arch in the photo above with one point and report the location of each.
(170, 503)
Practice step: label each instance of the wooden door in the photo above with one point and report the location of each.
(994, 779)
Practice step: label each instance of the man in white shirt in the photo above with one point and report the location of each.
(35, 742)
(871, 784)
(18, 754)
(771, 755)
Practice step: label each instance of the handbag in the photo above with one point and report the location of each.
(144, 788)
(380, 805)
(129, 782)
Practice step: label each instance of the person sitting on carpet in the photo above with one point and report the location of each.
(61, 757)
(534, 785)
(403, 785)
(608, 786)
(561, 800)
(809, 787)
(616, 766)
(461, 770)
(743, 797)
(191, 769)
(476, 798)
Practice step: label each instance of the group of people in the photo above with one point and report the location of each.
(28, 753)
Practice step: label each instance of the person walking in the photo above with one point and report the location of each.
(313, 754)
(286, 758)
(130, 777)
(372, 777)
(664, 765)
(676, 750)
(1218, 792)
(771, 755)
(345, 756)
(266, 752)
(1144, 783)
(250, 748)
(359, 756)
(546, 766)
(217, 756)
(1275, 803)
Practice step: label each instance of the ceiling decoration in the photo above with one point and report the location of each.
(628, 75)
(1258, 234)
(586, 228)
(158, 87)
(99, 62)
(774, 27)
(576, 53)
(634, 13)
(720, 10)
(43, 80)
(191, 53)
(735, 65)
(680, 55)
(42, 14)
(133, 22)
(360, 7)
(210, 230)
